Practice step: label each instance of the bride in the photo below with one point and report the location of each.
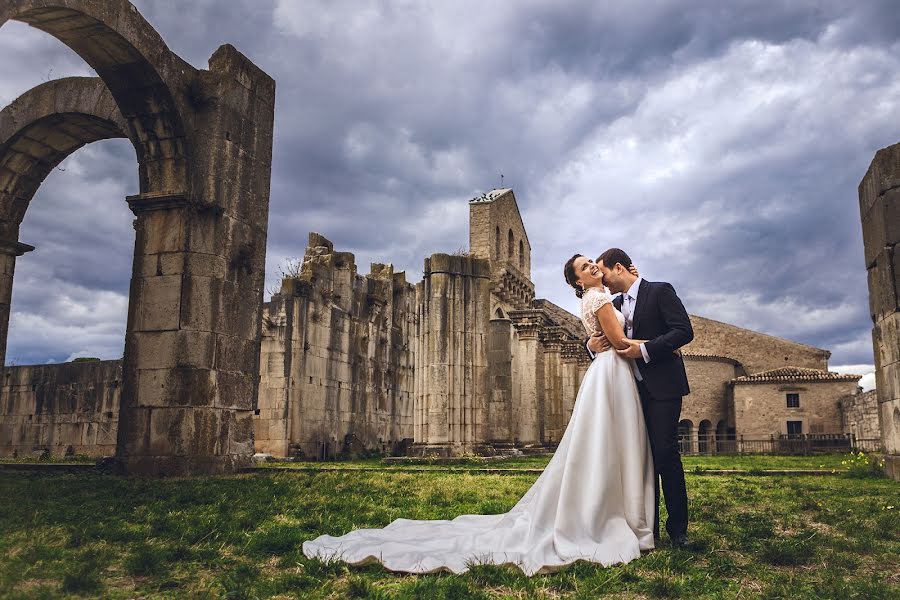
(594, 501)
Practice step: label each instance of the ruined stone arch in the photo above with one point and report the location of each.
(203, 142)
(40, 129)
(149, 83)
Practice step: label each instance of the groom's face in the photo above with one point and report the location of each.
(612, 277)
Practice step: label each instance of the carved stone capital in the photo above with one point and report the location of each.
(14, 248)
(153, 201)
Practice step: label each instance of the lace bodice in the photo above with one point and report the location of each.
(592, 301)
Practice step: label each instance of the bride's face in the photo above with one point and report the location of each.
(588, 272)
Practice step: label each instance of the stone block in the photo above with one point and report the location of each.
(168, 349)
(887, 382)
(886, 340)
(161, 231)
(884, 283)
(176, 387)
(160, 303)
(890, 425)
(881, 225)
(202, 303)
(235, 390)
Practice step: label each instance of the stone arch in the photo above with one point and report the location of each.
(499, 314)
(148, 81)
(704, 433)
(497, 241)
(510, 246)
(521, 255)
(40, 129)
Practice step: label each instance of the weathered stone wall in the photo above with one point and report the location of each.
(879, 208)
(59, 407)
(709, 399)
(337, 358)
(451, 392)
(761, 408)
(755, 351)
(859, 413)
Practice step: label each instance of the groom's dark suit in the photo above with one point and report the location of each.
(660, 317)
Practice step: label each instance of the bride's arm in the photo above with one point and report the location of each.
(606, 315)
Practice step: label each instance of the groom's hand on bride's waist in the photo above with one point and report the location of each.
(598, 343)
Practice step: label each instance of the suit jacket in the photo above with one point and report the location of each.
(660, 317)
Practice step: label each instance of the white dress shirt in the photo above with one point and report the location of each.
(629, 301)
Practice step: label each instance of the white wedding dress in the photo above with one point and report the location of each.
(593, 502)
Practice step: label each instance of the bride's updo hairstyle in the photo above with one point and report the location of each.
(571, 277)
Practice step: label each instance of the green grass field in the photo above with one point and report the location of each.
(93, 535)
(741, 463)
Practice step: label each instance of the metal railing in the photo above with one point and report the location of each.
(809, 443)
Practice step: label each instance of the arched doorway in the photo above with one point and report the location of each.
(203, 143)
(685, 436)
(704, 435)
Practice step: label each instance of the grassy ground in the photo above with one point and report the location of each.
(740, 463)
(93, 535)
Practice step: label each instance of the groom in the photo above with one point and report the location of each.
(655, 314)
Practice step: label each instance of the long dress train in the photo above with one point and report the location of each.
(593, 501)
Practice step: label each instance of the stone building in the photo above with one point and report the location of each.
(465, 361)
(791, 401)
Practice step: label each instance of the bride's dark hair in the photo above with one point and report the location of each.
(571, 277)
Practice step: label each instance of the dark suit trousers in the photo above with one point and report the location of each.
(661, 417)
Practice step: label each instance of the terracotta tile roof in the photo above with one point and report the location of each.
(796, 374)
(710, 357)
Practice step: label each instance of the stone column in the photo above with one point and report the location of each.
(528, 402)
(8, 253)
(571, 376)
(879, 207)
(551, 340)
(453, 364)
(501, 383)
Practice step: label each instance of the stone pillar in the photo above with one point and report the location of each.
(500, 377)
(8, 253)
(452, 360)
(551, 340)
(528, 398)
(571, 376)
(879, 207)
(191, 368)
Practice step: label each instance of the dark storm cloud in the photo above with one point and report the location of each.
(721, 143)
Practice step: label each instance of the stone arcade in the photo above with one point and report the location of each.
(203, 138)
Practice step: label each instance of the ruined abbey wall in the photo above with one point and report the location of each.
(60, 407)
(337, 359)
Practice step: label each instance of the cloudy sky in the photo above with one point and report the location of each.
(719, 143)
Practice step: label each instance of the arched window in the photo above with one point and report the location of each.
(497, 241)
(509, 246)
(685, 435)
(521, 255)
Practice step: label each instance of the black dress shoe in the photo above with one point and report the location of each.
(681, 541)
